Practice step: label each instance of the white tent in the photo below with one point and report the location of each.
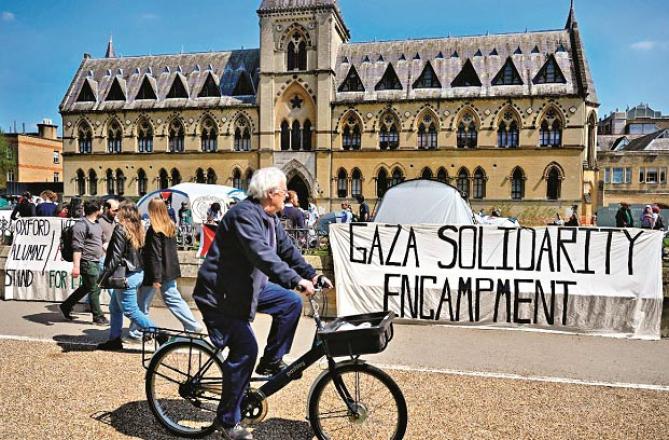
(199, 196)
(424, 201)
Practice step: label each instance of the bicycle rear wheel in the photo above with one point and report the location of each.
(183, 388)
(381, 411)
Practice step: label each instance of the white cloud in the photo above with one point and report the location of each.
(8, 16)
(648, 45)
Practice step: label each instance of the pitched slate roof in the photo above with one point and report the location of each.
(447, 69)
(658, 141)
(225, 67)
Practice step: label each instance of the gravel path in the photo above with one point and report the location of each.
(49, 391)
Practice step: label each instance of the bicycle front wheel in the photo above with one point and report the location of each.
(183, 388)
(380, 409)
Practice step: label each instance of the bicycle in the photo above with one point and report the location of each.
(350, 399)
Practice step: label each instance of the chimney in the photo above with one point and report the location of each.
(47, 129)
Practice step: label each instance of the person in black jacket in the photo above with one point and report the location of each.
(124, 260)
(250, 267)
(161, 269)
(25, 208)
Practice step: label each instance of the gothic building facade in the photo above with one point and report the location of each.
(508, 119)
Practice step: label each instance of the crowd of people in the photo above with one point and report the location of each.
(112, 249)
(651, 217)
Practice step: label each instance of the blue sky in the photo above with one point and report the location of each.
(42, 42)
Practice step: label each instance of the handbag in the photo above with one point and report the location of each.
(116, 279)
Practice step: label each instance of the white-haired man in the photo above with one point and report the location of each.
(252, 266)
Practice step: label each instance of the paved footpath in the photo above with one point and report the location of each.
(459, 383)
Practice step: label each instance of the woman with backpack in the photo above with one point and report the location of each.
(123, 274)
(161, 268)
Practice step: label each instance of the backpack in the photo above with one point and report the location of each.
(66, 235)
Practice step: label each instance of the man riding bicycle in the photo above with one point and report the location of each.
(251, 266)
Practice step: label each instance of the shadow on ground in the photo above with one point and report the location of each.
(54, 316)
(135, 419)
(83, 342)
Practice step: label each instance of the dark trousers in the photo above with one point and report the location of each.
(90, 270)
(237, 335)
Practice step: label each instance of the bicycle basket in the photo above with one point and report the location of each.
(359, 334)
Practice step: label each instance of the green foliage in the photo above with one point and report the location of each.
(6, 162)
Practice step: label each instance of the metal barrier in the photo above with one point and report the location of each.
(186, 237)
(309, 240)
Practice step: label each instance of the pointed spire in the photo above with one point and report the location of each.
(571, 20)
(110, 49)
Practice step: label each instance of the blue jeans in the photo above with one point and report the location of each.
(124, 302)
(174, 302)
(285, 307)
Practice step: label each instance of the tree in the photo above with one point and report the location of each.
(6, 159)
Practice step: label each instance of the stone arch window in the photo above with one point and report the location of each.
(398, 176)
(467, 132)
(479, 183)
(306, 136)
(109, 177)
(381, 182)
(211, 177)
(199, 176)
(285, 136)
(243, 134)
(114, 138)
(352, 134)
(389, 137)
(295, 136)
(176, 176)
(427, 133)
(144, 137)
(551, 130)
(247, 181)
(296, 52)
(237, 178)
(463, 181)
(342, 184)
(120, 182)
(554, 179)
(142, 182)
(356, 182)
(85, 135)
(92, 182)
(508, 135)
(163, 179)
(209, 136)
(518, 184)
(81, 182)
(442, 175)
(176, 137)
(426, 173)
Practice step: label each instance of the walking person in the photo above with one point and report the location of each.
(123, 273)
(49, 206)
(161, 269)
(647, 220)
(108, 221)
(292, 213)
(87, 252)
(364, 209)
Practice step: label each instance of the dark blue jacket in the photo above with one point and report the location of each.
(225, 282)
(46, 209)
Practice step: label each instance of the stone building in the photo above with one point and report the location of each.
(37, 160)
(635, 121)
(509, 119)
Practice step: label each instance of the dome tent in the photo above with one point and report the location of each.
(199, 196)
(423, 201)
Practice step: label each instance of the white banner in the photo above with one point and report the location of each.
(590, 280)
(34, 269)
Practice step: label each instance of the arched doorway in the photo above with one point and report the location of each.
(297, 184)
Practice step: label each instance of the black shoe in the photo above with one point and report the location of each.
(111, 345)
(66, 311)
(266, 368)
(161, 338)
(100, 320)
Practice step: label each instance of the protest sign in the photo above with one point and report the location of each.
(603, 281)
(34, 269)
